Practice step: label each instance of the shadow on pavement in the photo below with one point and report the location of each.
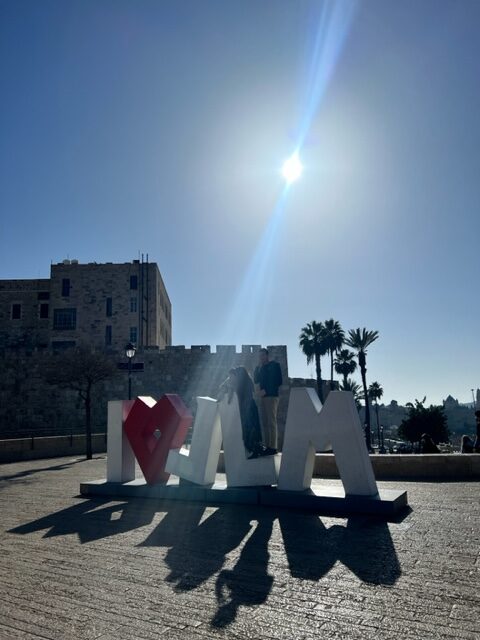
(53, 467)
(364, 546)
(199, 551)
(249, 582)
(199, 548)
(90, 522)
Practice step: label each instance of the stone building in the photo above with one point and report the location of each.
(104, 305)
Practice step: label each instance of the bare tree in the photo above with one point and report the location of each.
(80, 370)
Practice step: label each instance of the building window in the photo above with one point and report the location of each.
(44, 310)
(133, 335)
(133, 282)
(64, 319)
(133, 305)
(61, 345)
(66, 287)
(43, 295)
(109, 307)
(108, 335)
(16, 311)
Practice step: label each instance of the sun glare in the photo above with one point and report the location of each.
(292, 168)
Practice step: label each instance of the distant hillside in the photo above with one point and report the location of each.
(461, 418)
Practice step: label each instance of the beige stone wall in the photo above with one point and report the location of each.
(161, 326)
(14, 450)
(29, 406)
(30, 329)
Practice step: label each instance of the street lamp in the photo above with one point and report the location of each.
(382, 445)
(130, 353)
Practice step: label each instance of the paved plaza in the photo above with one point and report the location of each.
(127, 569)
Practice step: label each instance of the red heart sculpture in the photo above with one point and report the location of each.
(153, 428)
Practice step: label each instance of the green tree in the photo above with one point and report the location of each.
(81, 370)
(350, 385)
(421, 419)
(345, 364)
(360, 340)
(375, 392)
(313, 344)
(334, 338)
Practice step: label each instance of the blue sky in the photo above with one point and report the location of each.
(161, 127)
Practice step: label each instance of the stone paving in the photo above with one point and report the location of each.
(74, 568)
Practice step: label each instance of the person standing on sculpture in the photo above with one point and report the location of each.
(251, 432)
(268, 375)
(476, 444)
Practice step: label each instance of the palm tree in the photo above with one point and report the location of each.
(375, 392)
(360, 339)
(345, 364)
(334, 336)
(350, 385)
(312, 343)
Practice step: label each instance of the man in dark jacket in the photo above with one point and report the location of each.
(268, 376)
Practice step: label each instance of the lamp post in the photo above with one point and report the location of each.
(130, 353)
(382, 446)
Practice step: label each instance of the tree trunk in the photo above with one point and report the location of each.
(331, 370)
(88, 421)
(378, 427)
(363, 371)
(319, 377)
(345, 378)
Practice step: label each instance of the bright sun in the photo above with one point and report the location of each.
(292, 168)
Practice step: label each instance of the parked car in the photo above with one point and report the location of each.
(404, 447)
(445, 447)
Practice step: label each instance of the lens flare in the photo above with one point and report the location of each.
(292, 168)
(249, 318)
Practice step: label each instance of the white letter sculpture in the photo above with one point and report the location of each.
(310, 427)
(120, 459)
(199, 465)
(240, 471)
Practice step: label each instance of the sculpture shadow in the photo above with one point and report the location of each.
(90, 522)
(198, 551)
(365, 546)
(198, 548)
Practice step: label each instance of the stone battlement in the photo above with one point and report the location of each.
(220, 349)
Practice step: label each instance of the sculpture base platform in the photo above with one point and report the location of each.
(324, 500)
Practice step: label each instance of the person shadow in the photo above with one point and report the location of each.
(248, 583)
(198, 550)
